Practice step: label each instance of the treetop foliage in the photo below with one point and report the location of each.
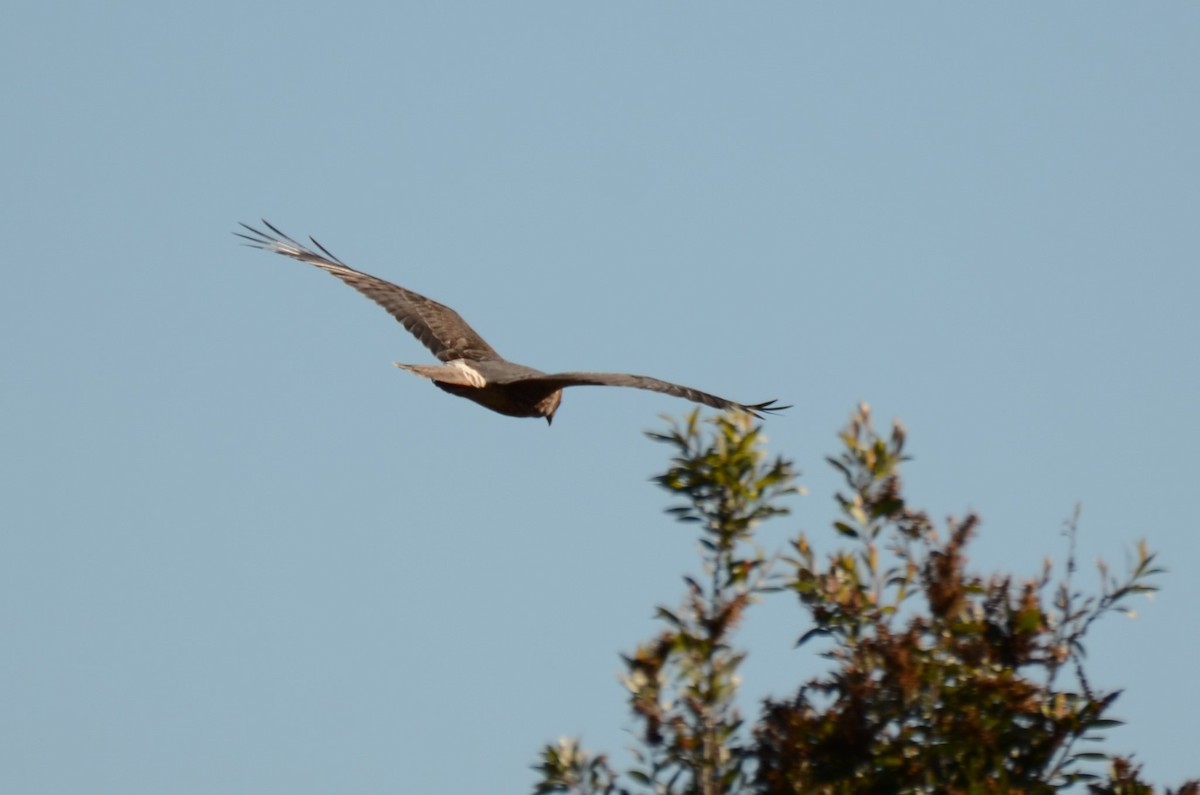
(940, 680)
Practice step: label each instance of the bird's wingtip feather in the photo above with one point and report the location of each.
(767, 407)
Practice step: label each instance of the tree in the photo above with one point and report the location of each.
(941, 680)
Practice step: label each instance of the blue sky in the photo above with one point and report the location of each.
(242, 553)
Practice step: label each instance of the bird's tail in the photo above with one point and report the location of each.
(456, 372)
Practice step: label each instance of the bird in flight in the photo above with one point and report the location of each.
(470, 367)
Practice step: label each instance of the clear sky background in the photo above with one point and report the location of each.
(242, 553)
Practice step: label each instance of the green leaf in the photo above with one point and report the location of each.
(845, 530)
(1090, 756)
(887, 507)
(667, 615)
(812, 633)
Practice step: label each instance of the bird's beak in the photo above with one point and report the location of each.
(549, 419)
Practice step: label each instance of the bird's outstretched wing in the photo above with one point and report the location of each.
(553, 381)
(438, 327)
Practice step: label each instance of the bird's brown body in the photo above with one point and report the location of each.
(513, 400)
(470, 367)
